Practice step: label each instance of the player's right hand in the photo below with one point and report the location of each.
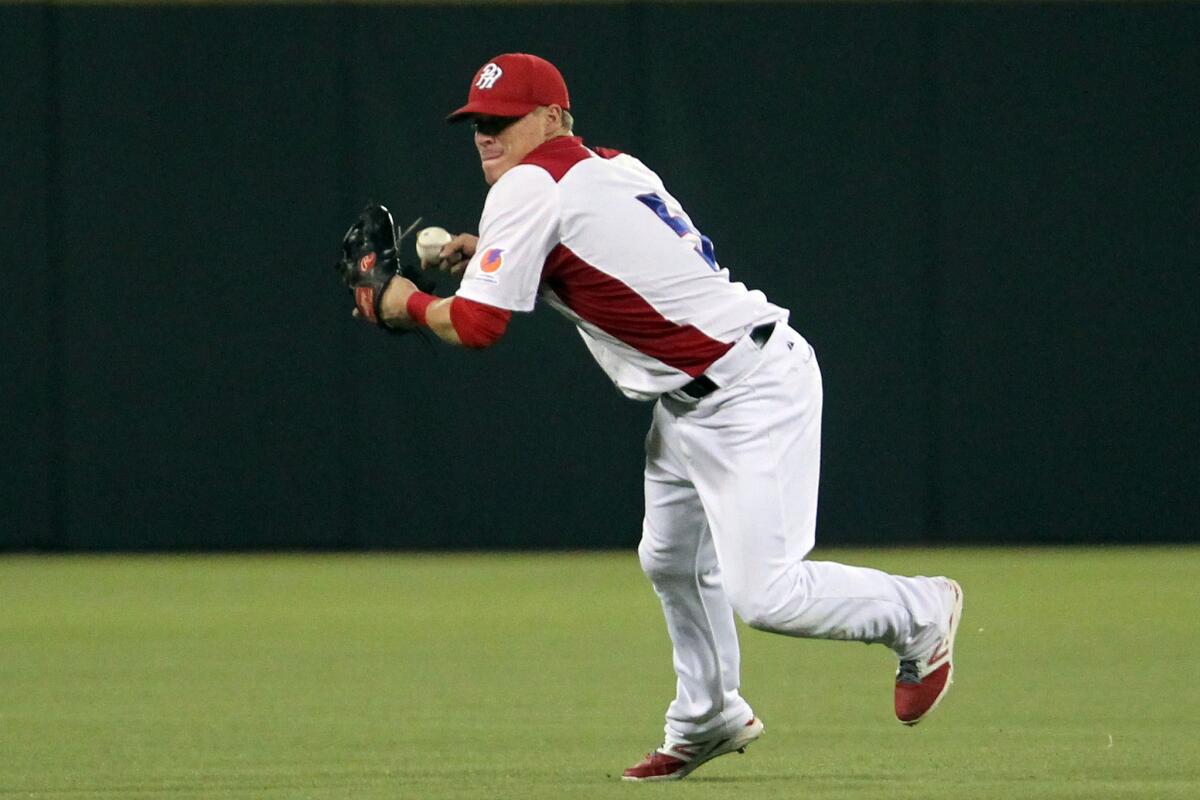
(457, 253)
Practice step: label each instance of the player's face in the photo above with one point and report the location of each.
(503, 142)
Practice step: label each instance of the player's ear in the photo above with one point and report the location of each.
(552, 119)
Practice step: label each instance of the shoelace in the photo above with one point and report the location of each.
(649, 757)
(909, 673)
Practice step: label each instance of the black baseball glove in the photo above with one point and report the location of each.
(370, 259)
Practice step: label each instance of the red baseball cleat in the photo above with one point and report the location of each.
(921, 683)
(672, 762)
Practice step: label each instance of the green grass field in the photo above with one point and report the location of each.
(515, 676)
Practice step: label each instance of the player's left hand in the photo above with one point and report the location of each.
(369, 264)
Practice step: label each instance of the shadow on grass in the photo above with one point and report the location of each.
(882, 780)
(744, 778)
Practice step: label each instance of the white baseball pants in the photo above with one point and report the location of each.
(731, 508)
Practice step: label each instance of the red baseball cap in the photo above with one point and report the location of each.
(512, 85)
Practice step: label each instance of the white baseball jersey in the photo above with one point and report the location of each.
(596, 233)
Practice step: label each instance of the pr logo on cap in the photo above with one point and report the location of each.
(488, 76)
(512, 85)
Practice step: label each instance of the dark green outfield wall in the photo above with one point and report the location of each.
(985, 218)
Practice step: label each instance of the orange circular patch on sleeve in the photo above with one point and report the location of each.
(492, 260)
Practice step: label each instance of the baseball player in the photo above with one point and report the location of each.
(733, 451)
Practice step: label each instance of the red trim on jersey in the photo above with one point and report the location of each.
(558, 155)
(621, 312)
(478, 324)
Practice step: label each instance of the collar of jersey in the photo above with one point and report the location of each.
(558, 143)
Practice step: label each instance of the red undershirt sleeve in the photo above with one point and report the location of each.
(477, 324)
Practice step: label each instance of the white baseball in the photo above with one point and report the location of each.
(430, 242)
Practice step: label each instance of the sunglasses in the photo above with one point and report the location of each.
(492, 126)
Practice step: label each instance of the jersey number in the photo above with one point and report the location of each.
(703, 245)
